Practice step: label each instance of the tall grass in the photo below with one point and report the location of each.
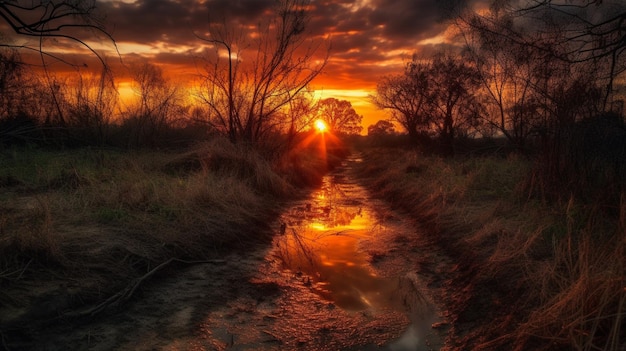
(101, 218)
(531, 274)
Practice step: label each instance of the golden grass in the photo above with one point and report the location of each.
(533, 275)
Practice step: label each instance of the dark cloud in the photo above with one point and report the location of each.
(243, 10)
(152, 21)
(362, 33)
(406, 18)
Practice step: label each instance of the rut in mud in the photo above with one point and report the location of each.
(344, 272)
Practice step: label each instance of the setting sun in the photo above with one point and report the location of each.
(320, 126)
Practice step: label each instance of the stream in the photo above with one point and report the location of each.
(342, 279)
(344, 272)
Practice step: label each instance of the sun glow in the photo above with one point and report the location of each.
(320, 126)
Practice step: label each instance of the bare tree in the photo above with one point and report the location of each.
(454, 104)
(340, 116)
(247, 98)
(90, 103)
(589, 32)
(59, 19)
(406, 96)
(530, 86)
(11, 76)
(158, 103)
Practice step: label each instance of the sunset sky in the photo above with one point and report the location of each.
(368, 38)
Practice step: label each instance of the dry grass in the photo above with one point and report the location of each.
(532, 275)
(87, 222)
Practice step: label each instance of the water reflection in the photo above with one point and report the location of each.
(320, 245)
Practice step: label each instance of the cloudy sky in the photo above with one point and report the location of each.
(367, 38)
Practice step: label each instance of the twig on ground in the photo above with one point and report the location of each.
(126, 293)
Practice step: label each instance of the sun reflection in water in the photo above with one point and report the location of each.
(323, 245)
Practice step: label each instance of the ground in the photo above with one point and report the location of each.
(387, 294)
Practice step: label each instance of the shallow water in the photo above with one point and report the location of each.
(339, 275)
(345, 272)
(332, 243)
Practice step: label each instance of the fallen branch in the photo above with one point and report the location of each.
(125, 294)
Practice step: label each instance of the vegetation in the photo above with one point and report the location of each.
(87, 226)
(529, 274)
(249, 100)
(340, 116)
(97, 195)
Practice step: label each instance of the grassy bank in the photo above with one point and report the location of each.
(530, 274)
(80, 230)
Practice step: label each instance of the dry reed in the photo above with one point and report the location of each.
(533, 275)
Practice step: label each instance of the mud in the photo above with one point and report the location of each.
(343, 272)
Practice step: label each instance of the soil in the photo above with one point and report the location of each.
(344, 272)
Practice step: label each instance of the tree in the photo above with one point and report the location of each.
(406, 96)
(455, 107)
(158, 104)
(90, 102)
(340, 116)
(531, 81)
(11, 80)
(251, 79)
(589, 32)
(382, 127)
(59, 19)
(433, 95)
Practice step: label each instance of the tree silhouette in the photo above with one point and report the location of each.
(158, 103)
(591, 32)
(52, 19)
(382, 127)
(340, 116)
(406, 96)
(454, 106)
(247, 98)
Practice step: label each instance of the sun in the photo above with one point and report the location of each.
(320, 126)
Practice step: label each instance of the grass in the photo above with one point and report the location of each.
(531, 274)
(86, 223)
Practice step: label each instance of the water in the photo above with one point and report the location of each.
(339, 275)
(332, 243)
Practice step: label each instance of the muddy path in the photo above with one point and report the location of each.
(343, 272)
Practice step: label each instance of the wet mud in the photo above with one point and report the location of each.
(344, 272)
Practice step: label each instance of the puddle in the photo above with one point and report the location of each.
(340, 275)
(332, 241)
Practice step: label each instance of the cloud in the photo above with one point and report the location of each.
(152, 21)
(368, 38)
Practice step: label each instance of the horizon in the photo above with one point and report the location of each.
(367, 39)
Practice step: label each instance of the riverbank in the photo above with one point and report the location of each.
(82, 231)
(339, 274)
(529, 275)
